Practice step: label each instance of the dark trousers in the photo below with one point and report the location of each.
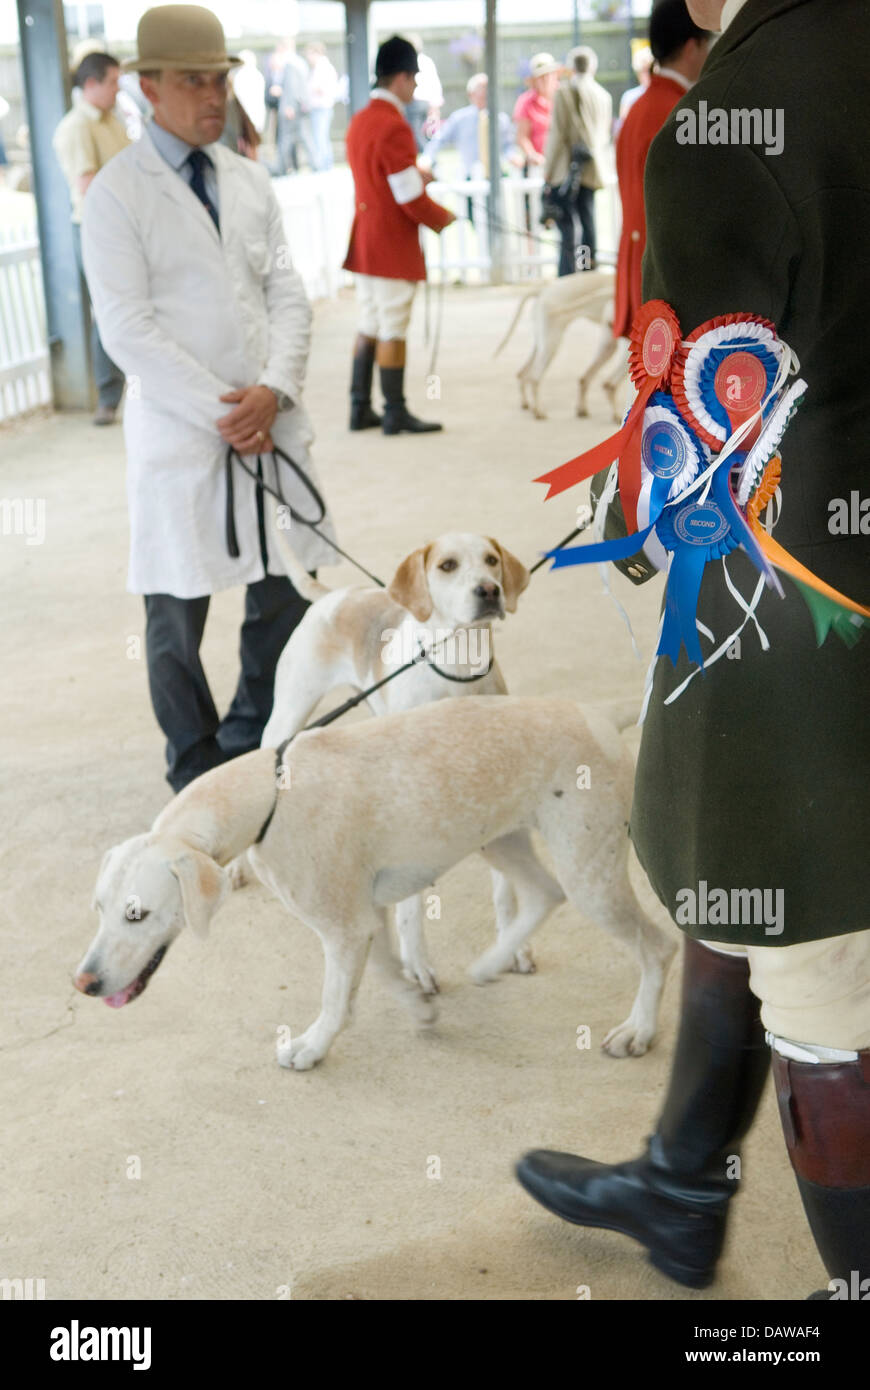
(108, 377)
(584, 211)
(196, 739)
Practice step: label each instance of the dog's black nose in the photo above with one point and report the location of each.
(87, 984)
(489, 591)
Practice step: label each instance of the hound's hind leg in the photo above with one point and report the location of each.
(527, 897)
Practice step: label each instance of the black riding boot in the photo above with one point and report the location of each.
(825, 1113)
(397, 417)
(362, 417)
(674, 1199)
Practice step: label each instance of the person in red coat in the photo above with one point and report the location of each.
(384, 251)
(679, 48)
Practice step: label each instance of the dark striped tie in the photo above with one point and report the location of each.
(197, 159)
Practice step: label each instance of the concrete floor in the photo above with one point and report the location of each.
(255, 1182)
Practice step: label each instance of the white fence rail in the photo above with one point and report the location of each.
(24, 365)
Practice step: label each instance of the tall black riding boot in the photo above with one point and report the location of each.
(825, 1113)
(362, 417)
(397, 417)
(674, 1199)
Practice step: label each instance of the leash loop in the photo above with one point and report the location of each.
(276, 492)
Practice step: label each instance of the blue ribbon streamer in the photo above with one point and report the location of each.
(681, 604)
(602, 550)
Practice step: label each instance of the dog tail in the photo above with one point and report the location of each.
(302, 582)
(516, 318)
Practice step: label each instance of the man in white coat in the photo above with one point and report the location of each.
(197, 300)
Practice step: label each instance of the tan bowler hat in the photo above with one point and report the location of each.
(187, 38)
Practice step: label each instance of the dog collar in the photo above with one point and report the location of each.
(462, 680)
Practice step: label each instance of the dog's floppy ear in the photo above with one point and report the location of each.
(409, 586)
(204, 885)
(514, 575)
(103, 863)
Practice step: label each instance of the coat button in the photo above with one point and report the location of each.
(362, 207)
(635, 236)
(636, 571)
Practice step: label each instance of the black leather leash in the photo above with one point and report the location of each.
(355, 700)
(232, 538)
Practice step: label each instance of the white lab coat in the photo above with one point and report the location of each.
(189, 315)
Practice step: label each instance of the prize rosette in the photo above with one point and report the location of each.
(696, 533)
(654, 339)
(671, 457)
(723, 373)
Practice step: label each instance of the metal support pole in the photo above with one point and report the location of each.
(494, 210)
(46, 83)
(357, 49)
(629, 35)
(575, 25)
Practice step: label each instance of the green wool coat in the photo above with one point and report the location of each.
(756, 776)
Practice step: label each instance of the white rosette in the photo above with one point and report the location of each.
(768, 442)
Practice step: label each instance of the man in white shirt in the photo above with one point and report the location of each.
(87, 137)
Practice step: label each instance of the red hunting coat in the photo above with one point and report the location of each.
(641, 125)
(391, 201)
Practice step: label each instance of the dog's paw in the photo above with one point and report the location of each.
(627, 1040)
(237, 872)
(301, 1054)
(540, 414)
(421, 975)
(523, 963)
(488, 967)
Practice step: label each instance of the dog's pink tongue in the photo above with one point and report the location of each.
(117, 1001)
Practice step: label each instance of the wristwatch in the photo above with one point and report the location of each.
(284, 401)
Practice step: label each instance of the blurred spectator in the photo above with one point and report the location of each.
(321, 94)
(534, 109)
(85, 140)
(468, 130)
(292, 108)
(424, 112)
(642, 62)
(130, 105)
(580, 136)
(680, 48)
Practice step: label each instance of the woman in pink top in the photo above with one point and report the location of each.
(533, 109)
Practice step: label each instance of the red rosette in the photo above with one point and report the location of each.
(681, 356)
(652, 343)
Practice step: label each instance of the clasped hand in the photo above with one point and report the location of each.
(248, 427)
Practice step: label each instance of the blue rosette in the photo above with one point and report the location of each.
(696, 533)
